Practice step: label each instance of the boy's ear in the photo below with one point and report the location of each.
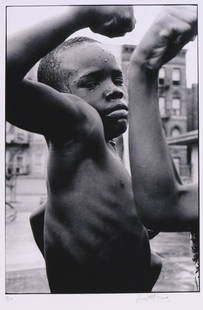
(66, 89)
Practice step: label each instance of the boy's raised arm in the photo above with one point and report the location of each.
(27, 47)
(163, 202)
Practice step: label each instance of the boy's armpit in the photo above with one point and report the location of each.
(39, 108)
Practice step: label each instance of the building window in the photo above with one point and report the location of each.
(19, 164)
(175, 132)
(177, 162)
(38, 162)
(176, 76)
(21, 136)
(162, 106)
(176, 107)
(162, 76)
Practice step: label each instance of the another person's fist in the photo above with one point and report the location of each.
(111, 21)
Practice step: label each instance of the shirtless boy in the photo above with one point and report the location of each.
(93, 239)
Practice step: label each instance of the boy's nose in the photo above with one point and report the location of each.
(113, 95)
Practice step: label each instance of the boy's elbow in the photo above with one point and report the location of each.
(150, 211)
(157, 212)
(151, 217)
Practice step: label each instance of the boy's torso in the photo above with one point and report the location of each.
(91, 221)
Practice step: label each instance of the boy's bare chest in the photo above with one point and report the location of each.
(93, 209)
(88, 170)
(94, 193)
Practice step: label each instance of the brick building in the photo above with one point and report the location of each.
(193, 108)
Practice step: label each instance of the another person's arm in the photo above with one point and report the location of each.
(163, 203)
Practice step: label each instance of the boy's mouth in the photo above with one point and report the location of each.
(119, 111)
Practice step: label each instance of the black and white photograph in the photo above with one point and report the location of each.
(102, 150)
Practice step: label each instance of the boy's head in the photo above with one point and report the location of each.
(51, 67)
(83, 67)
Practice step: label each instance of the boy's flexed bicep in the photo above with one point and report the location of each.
(163, 203)
(39, 108)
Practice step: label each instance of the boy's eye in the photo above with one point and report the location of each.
(118, 81)
(87, 84)
(117, 78)
(91, 84)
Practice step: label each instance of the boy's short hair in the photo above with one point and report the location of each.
(50, 70)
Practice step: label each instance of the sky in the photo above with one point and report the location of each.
(19, 18)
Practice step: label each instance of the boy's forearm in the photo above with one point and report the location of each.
(149, 154)
(160, 198)
(27, 47)
(162, 201)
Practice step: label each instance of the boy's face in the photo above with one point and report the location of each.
(97, 78)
